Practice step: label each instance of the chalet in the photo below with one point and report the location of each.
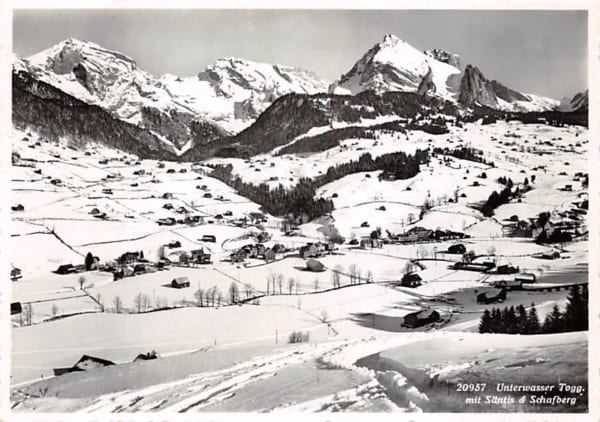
(526, 278)
(139, 172)
(95, 211)
(15, 308)
(129, 257)
(107, 191)
(170, 171)
(103, 161)
(174, 244)
(167, 195)
(56, 182)
(66, 269)
(18, 207)
(491, 296)
(15, 274)
(228, 213)
(314, 265)
(269, 255)
(198, 256)
(161, 165)
(140, 268)
(411, 280)
(421, 318)
(507, 269)
(182, 170)
(421, 233)
(166, 221)
(209, 238)
(193, 219)
(101, 215)
(457, 248)
(180, 282)
(168, 206)
(85, 363)
(472, 266)
(181, 210)
(309, 251)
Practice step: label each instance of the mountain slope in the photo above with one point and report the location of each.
(223, 99)
(579, 102)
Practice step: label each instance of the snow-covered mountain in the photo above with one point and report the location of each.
(395, 65)
(222, 99)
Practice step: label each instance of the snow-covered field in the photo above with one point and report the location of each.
(57, 227)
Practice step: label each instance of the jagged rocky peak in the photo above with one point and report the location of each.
(476, 89)
(445, 56)
(395, 65)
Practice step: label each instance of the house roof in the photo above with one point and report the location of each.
(182, 279)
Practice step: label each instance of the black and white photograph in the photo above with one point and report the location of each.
(260, 210)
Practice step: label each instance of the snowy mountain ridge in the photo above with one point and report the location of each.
(395, 65)
(227, 95)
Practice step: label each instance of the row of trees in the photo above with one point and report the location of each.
(300, 201)
(464, 153)
(511, 320)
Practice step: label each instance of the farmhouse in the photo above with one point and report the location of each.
(146, 356)
(85, 363)
(209, 238)
(130, 257)
(169, 221)
(198, 256)
(15, 308)
(167, 195)
(411, 280)
(420, 318)
(18, 207)
(15, 274)
(180, 282)
(309, 251)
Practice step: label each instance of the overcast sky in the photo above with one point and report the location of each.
(536, 52)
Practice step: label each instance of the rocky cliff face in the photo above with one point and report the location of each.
(579, 102)
(445, 57)
(476, 89)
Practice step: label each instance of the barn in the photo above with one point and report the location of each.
(411, 280)
(15, 308)
(180, 282)
(15, 274)
(421, 318)
(85, 363)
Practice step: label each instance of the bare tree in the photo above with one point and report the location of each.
(199, 295)
(280, 280)
(81, 282)
(369, 276)
(358, 275)
(219, 298)
(233, 293)
(335, 276)
(248, 290)
(291, 283)
(271, 278)
(353, 268)
(118, 304)
(316, 284)
(54, 310)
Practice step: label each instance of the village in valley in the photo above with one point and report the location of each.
(366, 249)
